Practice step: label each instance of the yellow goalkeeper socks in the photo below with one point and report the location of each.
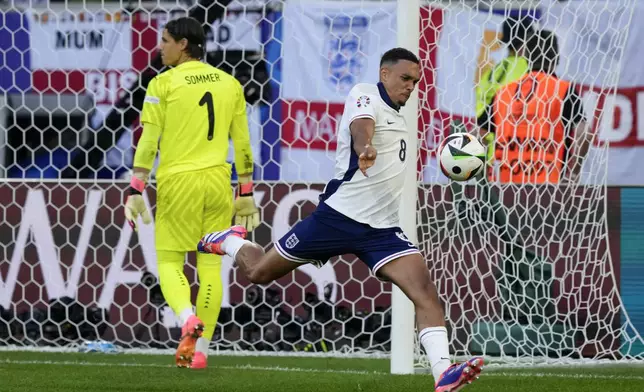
(174, 284)
(210, 294)
(176, 290)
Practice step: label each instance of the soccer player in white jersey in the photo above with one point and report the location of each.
(358, 214)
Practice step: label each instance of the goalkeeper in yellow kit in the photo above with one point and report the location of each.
(190, 112)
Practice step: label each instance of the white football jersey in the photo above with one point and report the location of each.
(373, 200)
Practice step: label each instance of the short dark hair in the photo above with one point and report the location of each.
(192, 31)
(543, 51)
(517, 30)
(392, 56)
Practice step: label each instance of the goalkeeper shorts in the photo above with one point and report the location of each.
(191, 204)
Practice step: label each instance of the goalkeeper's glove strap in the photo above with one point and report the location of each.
(136, 186)
(245, 189)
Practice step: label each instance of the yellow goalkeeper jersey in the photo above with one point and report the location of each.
(196, 109)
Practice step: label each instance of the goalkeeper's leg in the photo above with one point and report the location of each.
(217, 214)
(180, 213)
(174, 284)
(208, 303)
(176, 291)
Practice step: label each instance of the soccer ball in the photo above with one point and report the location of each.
(461, 156)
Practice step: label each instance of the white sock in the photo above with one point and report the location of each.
(202, 346)
(185, 315)
(434, 340)
(232, 244)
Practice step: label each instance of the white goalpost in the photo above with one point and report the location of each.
(527, 274)
(403, 322)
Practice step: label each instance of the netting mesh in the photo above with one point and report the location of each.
(524, 267)
(523, 270)
(72, 270)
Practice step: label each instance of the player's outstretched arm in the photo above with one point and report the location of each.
(362, 130)
(246, 212)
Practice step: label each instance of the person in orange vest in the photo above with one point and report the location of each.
(538, 121)
(516, 32)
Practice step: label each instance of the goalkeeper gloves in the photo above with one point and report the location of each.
(134, 205)
(246, 212)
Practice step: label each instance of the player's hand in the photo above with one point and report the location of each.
(135, 206)
(246, 212)
(367, 159)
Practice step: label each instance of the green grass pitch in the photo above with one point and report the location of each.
(64, 372)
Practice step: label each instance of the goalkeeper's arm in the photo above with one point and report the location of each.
(246, 212)
(152, 118)
(146, 152)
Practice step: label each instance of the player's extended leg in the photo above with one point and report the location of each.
(270, 267)
(312, 240)
(411, 275)
(258, 267)
(176, 291)
(208, 303)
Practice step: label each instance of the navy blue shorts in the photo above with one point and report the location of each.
(327, 233)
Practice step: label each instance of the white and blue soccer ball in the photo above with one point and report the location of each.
(461, 156)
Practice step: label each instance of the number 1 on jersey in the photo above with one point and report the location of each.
(207, 100)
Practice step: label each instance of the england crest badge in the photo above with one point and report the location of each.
(346, 43)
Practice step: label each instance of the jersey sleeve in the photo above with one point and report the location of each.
(240, 135)
(360, 105)
(154, 104)
(146, 150)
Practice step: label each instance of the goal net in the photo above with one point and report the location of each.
(526, 267)
(525, 271)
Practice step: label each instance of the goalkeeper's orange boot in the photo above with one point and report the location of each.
(190, 332)
(199, 361)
